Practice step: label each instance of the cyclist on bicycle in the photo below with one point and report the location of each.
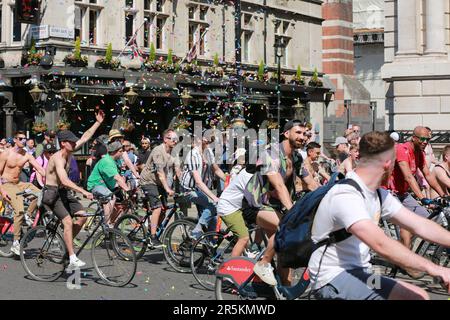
(105, 178)
(11, 163)
(197, 191)
(442, 171)
(280, 166)
(154, 180)
(410, 158)
(56, 195)
(341, 270)
(115, 135)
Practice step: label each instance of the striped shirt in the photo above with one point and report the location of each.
(193, 161)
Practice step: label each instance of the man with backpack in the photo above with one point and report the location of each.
(345, 228)
(272, 188)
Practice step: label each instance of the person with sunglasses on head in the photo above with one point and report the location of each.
(35, 178)
(12, 162)
(278, 168)
(411, 158)
(56, 195)
(155, 178)
(115, 135)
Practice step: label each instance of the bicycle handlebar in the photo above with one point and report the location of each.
(27, 193)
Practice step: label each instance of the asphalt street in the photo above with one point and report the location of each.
(154, 280)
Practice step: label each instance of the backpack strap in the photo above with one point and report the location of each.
(342, 234)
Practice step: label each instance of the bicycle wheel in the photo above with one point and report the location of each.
(226, 290)
(177, 244)
(441, 256)
(43, 254)
(114, 258)
(207, 253)
(136, 232)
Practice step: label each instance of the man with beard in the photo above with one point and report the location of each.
(341, 270)
(279, 166)
(410, 158)
(12, 162)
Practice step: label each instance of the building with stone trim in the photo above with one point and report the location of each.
(417, 65)
(168, 24)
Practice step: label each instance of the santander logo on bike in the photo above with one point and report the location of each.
(244, 269)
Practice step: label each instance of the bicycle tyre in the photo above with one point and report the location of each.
(232, 294)
(114, 258)
(130, 225)
(43, 259)
(207, 253)
(177, 244)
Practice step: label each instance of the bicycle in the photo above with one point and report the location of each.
(235, 280)
(43, 253)
(211, 249)
(436, 253)
(7, 221)
(135, 227)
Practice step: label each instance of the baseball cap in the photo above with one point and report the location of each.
(114, 146)
(395, 136)
(67, 135)
(103, 139)
(114, 133)
(340, 140)
(292, 123)
(50, 147)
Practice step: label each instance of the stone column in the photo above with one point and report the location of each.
(435, 27)
(407, 27)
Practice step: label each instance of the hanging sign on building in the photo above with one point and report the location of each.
(39, 32)
(27, 11)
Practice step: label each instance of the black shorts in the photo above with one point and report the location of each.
(155, 195)
(60, 201)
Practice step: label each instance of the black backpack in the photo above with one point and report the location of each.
(293, 241)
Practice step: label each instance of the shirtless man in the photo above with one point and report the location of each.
(11, 163)
(57, 184)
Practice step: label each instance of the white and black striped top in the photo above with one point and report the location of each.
(193, 161)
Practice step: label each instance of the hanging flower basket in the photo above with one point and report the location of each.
(104, 64)
(127, 126)
(191, 69)
(70, 60)
(62, 125)
(39, 127)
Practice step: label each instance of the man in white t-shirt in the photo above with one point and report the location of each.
(342, 270)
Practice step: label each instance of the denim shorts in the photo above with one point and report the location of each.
(357, 284)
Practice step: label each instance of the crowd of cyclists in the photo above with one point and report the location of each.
(252, 191)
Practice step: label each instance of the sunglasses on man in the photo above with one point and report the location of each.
(423, 139)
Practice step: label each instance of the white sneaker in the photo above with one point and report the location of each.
(77, 264)
(265, 273)
(28, 221)
(15, 248)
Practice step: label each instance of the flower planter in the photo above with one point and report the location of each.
(312, 83)
(297, 83)
(102, 65)
(76, 63)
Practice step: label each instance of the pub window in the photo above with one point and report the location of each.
(17, 28)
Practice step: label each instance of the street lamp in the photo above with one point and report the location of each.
(186, 97)
(301, 110)
(67, 93)
(347, 105)
(131, 96)
(36, 93)
(279, 45)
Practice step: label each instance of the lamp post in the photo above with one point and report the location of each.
(131, 96)
(347, 105)
(373, 107)
(279, 46)
(186, 97)
(36, 93)
(67, 93)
